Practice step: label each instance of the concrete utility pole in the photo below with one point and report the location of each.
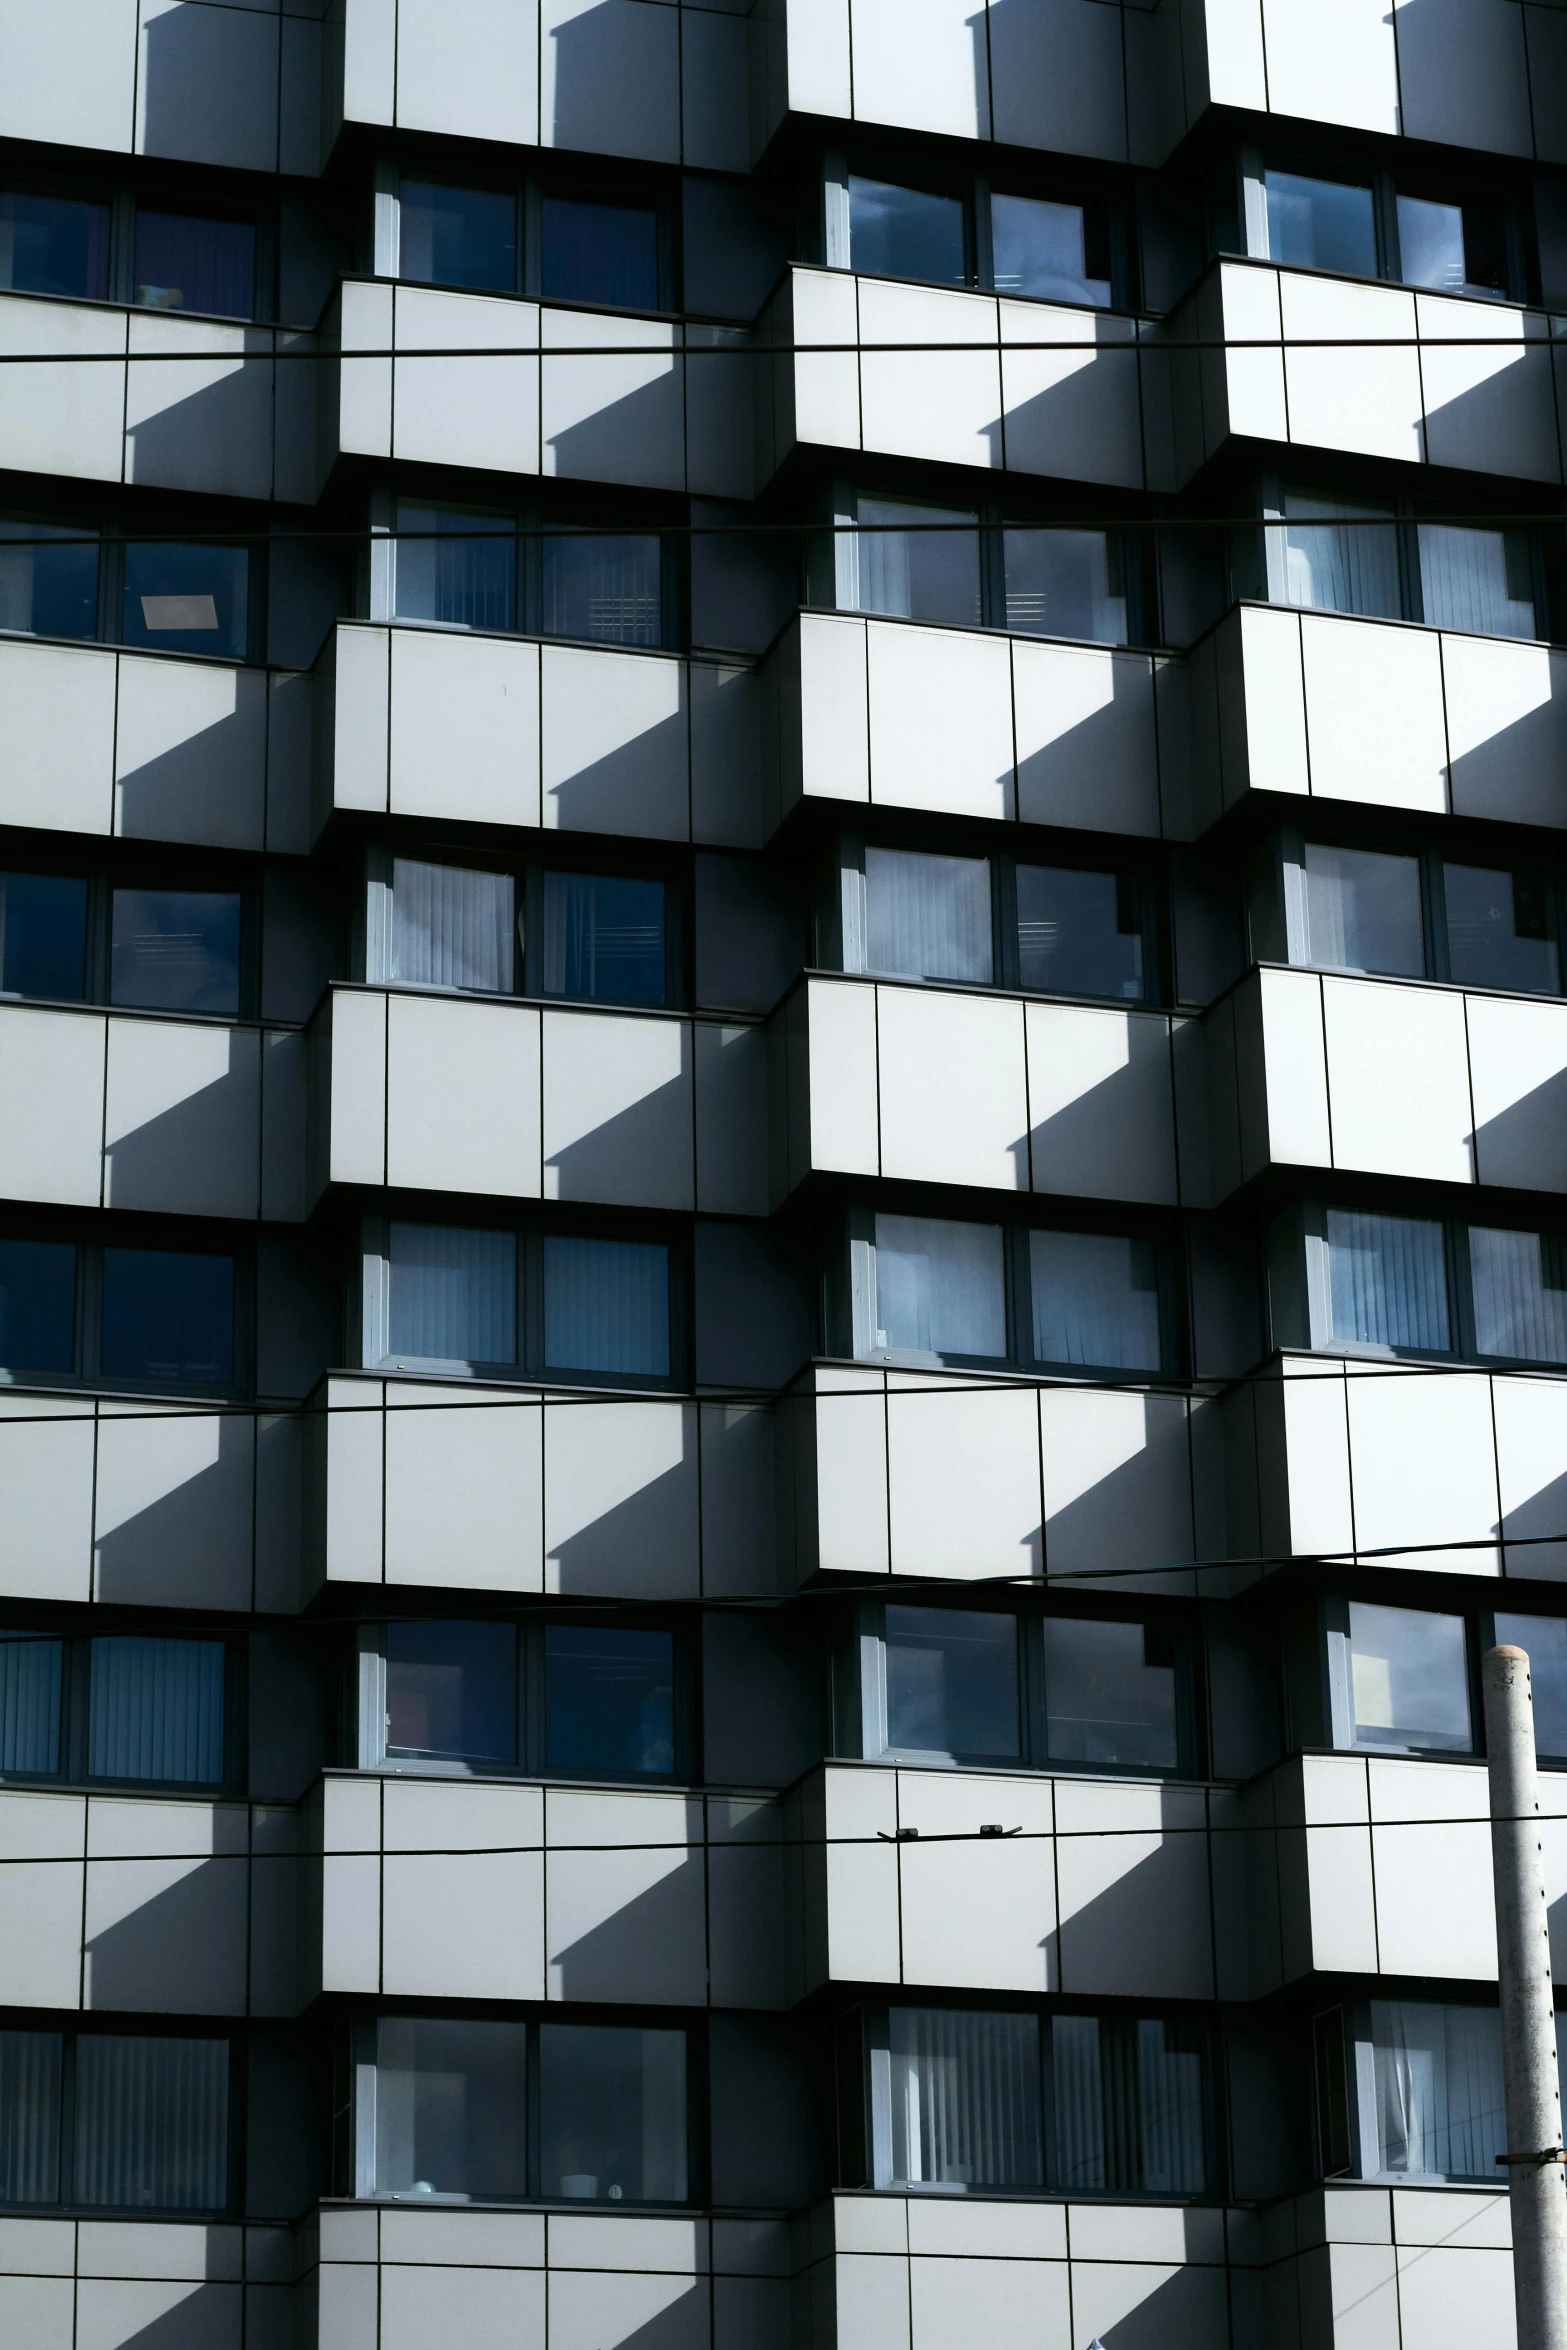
(1523, 1950)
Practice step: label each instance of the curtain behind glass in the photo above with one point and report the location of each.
(1386, 1280)
(1438, 2079)
(1338, 556)
(30, 2117)
(30, 1704)
(928, 917)
(1519, 1282)
(964, 2100)
(1127, 2107)
(1170, 2102)
(453, 1294)
(1477, 579)
(918, 562)
(152, 2123)
(155, 1710)
(452, 927)
(606, 1306)
(940, 1288)
(1095, 1300)
(1363, 911)
(454, 567)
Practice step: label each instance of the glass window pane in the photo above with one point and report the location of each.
(604, 590)
(1320, 224)
(452, 926)
(603, 939)
(1069, 583)
(1363, 911)
(48, 585)
(955, 2100)
(29, 1705)
(169, 1316)
(1437, 2073)
(152, 2123)
(952, 1681)
(1079, 933)
(612, 2112)
(606, 1306)
(906, 232)
(1476, 579)
(1110, 1694)
(1386, 1281)
(1431, 244)
(458, 236)
(940, 1288)
(1172, 2149)
(1095, 1300)
(928, 917)
(175, 950)
(1500, 930)
(1519, 1284)
(455, 566)
(451, 2108)
(1337, 555)
(30, 2064)
(606, 254)
(1042, 249)
(1408, 1679)
(183, 263)
(1077, 2097)
(186, 599)
(609, 1700)
(37, 1306)
(155, 1710)
(43, 936)
(54, 245)
(452, 1294)
(451, 1692)
(1544, 1638)
(918, 562)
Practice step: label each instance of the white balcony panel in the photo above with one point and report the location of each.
(51, 1092)
(173, 1508)
(469, 68)
(1398, 1080)
(940, 720)
(837, 1427)
(1365, 399)
(953, 1089)
(1332, 61)
(1057, 80)
(621, 1499)
(1075, 414)
(1431, 1853)
(481, 411)
(963, 1481)
(464, 1489)
(463, 725)
(68, 419)
(1531, 1472)
(462, 1096)
(1495, 403)
(1101, 1104)
(1423, 1460)
(1117, 1479)
(923, 65)
(70, 73)
(1374, 713)
(460, 1925)
(841, 1126)
(1245, 386)
(1268, 730)
(357, 1066)
(1518, 1087)
(610, 78)
(1086, 741)
(57, 708)
(822, 682)
(200, 423)
(617, 1109)
(190, 752)
(928, 402)
(47, 1447)
(1506, 730)
(1284, 1018)
(1132, 1872)
(607, 418)
(817, 392)
(616, 742)
(977, 1911)
(366, 322)
(182, 1118)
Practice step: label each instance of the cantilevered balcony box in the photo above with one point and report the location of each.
(146, 746)
(1383, 714)
(479, 729)
(888, 714)
(1311, 360)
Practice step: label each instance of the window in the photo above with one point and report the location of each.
(1079, 933)
(1320, 224)
(1481, 580)
(1067, 583)
(1113, 1693)
(912, 562)
(1428, 2083)
(161, 1318)
(594, 1700)
(54, 245)
(1398, 1679)
(452, 927)
(1455, 248)
(1411, 917)
(604, 939)
(455, 565)
(458, 236)
(465, 567)
(978, 922)
(175, 950)
(907, 232)
(114, 2121)
(1056, 252)
(1501, 929)
(48, 579)
(952, 1683)
(1362, 910)
(1340, 1278)
(593, 938)
(1095, 1298)
(959, 567)
(585, 249)
(1347, 555)
(43, 936)
(442, 2111)
(605, 254)
(183, 262)
(1518, 1283)
(977, 2101)
(930, 1291)
(453, 1298)
(603, 588)
(141, 1710)
(1545, 1640)
(192, 599)
(917, 916)
(1051, 248)
(1334, 555)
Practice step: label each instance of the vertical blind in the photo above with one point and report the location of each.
(30, 2064)
(915, 563)
(450, 2107)
(29, 1703)
(453, 1294)
(1095, 1300)
(152, 2123)
(940, 1288)
(606, 1306)
(1386, 1281)
(1127, 2104)
(1476, 579)
(457, 569)
(1519, 1282)
(1438, 2081)
(927, 917)
(1340, 557)
(963, 2100)
(155, 1710)
(452, 927)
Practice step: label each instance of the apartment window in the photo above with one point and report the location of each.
(1349, 555)
(48, 579)
(54, 245)
(108, 2121)
(1346, 1279)
(977, 1685)
(1426, 2093)
(604, 254)
(1095, 1300)
(459, 1298)
(452, 926)
(603, 588)
(63, 580)
(1334, 555)
(976, 921)
(588, 938)
(143, 1317)
(1544, 1638)
(1307, 222)
(463, 567)
(1034, 247)
(1398, 1679)
(1480, 580)
(976, 2101)
(1406, 916)
(1066, 583)
(456, 566)
(1501, 929)
(461, 2110)
(1453, 248)
(1518, 1283)
(897, 231)
(961, 567)
(1362, 910)
(451, 236)
(912, 915)
(186, 262)
(1079, 933)
(132, 1709)
(588, 1700)
(191, 599)
(43, 936)
(579, 248)
(1051, 252)
(175, 950)
(1320, 224)
(912, 562)
(605, 938)
(927, 1290)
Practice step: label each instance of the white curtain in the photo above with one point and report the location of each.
(1520, 1294)
(1476, 579)
(1338, 557)
(964, 2107)
(152, 2123)
(1438, 2078)
(453, 1294)
(29, 1704)
(919, 562)
(606, 1306)
(155, 1710)
(1363, 911)
(30, 2117)
(928, 917)
(454, 568)
(940, 1288)
(1386, 1280)
(1096, 1300)
(452, 927)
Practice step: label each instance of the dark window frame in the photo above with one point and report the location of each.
(50, 2023)
(75, 1714)
(87, 1375)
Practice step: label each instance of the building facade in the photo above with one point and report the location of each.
(783, 1110)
